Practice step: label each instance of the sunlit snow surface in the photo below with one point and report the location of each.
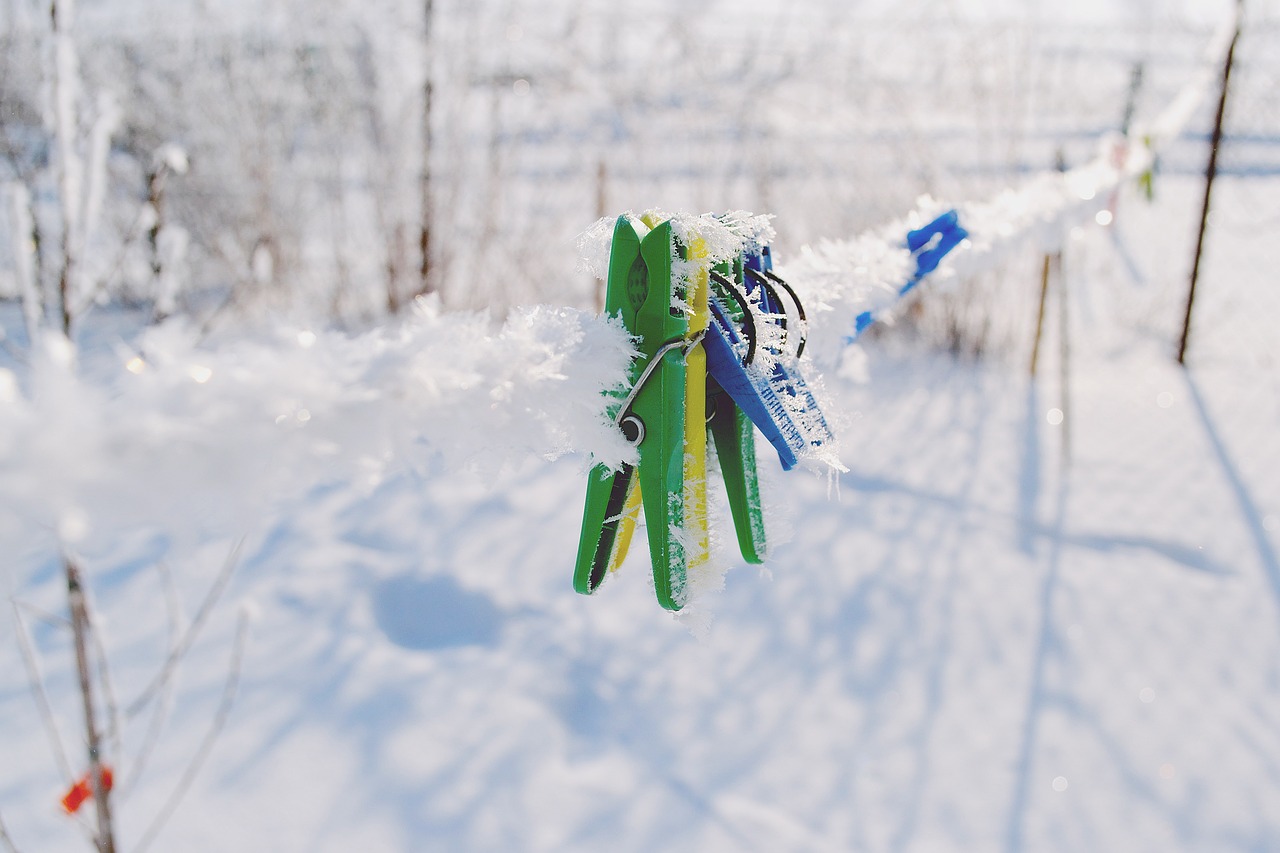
(969, 643)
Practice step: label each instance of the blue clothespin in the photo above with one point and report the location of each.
(748, 389)
(930, 244)
(729, 355)
(785, 378)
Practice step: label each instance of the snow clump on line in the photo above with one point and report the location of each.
(190, 438)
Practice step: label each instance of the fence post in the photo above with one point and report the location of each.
(1064, 362)
(1044, 297)
(1211, 172)
(1060, 163)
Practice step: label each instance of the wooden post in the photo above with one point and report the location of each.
(80, 628)
(1044, 297)
(1064, 363)
(1211, 172)
(1052, 261)
(1060, 163)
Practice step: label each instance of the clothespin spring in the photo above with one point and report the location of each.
(748, 319)
(767, 279)
(633, 427)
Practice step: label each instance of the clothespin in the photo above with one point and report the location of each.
(928, 245)
(731, 342)
(701, 371)
(668, 394)
(763, 384)
(730, 354)
(753, 388)
(784, 376)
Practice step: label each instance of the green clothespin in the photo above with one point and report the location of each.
(640, 289)
(734, 436)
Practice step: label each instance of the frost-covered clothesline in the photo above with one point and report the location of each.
(181, 436)
(841, 279)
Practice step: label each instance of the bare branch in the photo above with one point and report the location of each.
(173, 606)
(202, 753)
(180, 650)
(4, 837)
(80, 629)
(53, 620)
(92, 294)
(105, 684)
(36, 683)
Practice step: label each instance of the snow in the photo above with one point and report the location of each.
(213, 436)
(963, 627)
(1033, 615)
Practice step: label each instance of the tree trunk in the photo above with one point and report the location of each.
(64, 98)
(426, 284)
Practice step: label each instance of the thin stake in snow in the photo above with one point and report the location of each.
(1064, 364)
(1044, 297)
(1211, 171)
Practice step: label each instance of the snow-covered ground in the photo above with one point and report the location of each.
(1033, 615)
(964, 645)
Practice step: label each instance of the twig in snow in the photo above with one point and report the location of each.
(180, 650)
(4, 836)
(36, 684)
(219, 720)
(173, 606)
(53, 620)
(105, 684)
